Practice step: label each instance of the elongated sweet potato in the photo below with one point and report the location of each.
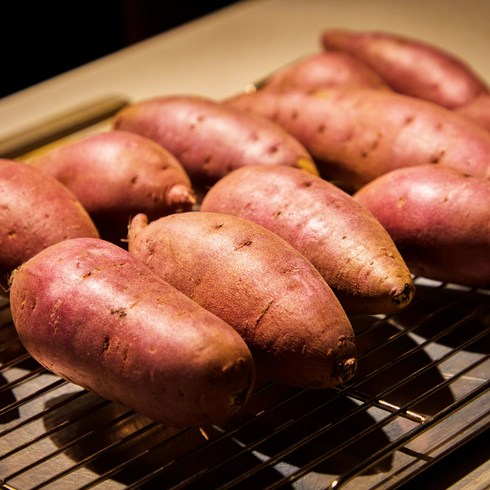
(210, 139)
(356, 135)
(341, 238)
(90, 312)
(325, 69)
(35, 211)
(439, 218)
(255, 281)
(117, 174)
(411, 66)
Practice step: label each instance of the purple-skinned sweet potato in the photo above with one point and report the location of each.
(411, 66)
(342, 239)
(272, 295)
(210, 139)
(325, 69)
(35, 211)
(117, 174)
(91, 313)
(356, 134)
(439, 219)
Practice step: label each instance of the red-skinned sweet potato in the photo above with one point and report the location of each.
(210, 139)
(325, 69)
(91, 313)
(411, 66)
(477, 111)
(439, 218)
(117, 174)
(35, 211)
(356, 135)
(341, 238)
(289, 317)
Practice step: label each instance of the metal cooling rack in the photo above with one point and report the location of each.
(420, 397)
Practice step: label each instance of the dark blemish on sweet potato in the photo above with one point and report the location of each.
(376, 141)
(346, 369)
(294, 114)
(405, 296)
(120, 312)
(437, 158)
(320, 128)
(207, 160)
(219, 225)
(277, 214)
(133, 180)
(306, 183)
(262, 313)
(245, 243)
(273, 149)
(11, 234)
(106, 344)
(409, 120)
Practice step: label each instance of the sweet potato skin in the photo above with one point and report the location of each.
(342, 239)
(439, 218)
(411, 66)
(477, 111)
(210, 139)
(325, 69)
(35, 211)
(116, 174)
(356, 135)
(289, 317)
(93, 314)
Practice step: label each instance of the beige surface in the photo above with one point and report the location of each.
(219, 54)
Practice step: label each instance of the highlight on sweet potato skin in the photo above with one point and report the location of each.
(93, 314)
(411, 66)
(342, 239)
(439, 218)
(324, 69)
(117, 174)
(210, 139)
(35, 211)
(271, 294)
(356, 135)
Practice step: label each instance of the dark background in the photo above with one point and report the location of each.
(41, 39)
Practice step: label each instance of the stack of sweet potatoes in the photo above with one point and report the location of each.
(199, 247)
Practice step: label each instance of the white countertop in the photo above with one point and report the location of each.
(221, 53)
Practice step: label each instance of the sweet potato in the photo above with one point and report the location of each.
(341, 238)
(477, 111)
(259, 284)
(117, 174)
(438, 217)
(355, 135)
(210, 139)
(35, 211)
(411, 66)
(325, 69)
(90, 312)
